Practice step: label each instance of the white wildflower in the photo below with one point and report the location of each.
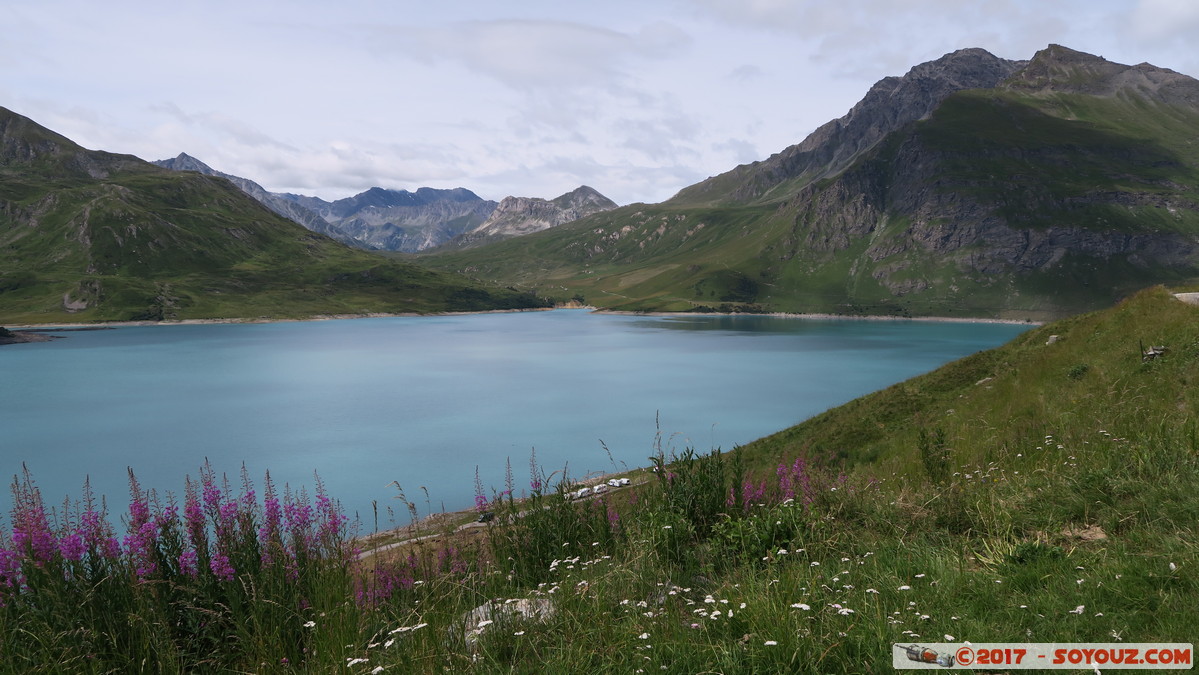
(1078, 610)
(905, 587)
(770, 643)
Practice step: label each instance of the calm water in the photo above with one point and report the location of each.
(424, 401)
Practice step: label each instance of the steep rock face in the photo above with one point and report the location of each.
(889, 105)
(399, 220)
(422, 223)
(961, 209)
(517, 216)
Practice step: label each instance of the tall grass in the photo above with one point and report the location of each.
(219, 581)
(698, 568)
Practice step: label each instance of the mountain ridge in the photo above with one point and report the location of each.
(94, 236)
(1064, 184)
(519, 216)
(410, 222)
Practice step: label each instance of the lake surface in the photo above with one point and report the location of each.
(425, 400)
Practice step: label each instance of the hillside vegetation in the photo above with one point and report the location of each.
(1044, 491)
(90, 236)
(972, 186)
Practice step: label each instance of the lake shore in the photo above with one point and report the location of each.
(17, 337)
(203, 322)
(597, 310)
(831, 317)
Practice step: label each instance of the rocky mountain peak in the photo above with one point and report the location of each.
(382, 198)
(185, 162)
(889, 105)
(584, 198)
(22, 140)
(1058, 69)
(516, 216)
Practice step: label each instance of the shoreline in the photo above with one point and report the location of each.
(829, 317)
(97, 325)
(595, 310)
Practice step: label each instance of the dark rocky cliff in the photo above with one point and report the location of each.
(943, 191)
(890, 104)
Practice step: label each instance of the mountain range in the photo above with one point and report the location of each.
(972, 185)
(409, 222)
(88, 235)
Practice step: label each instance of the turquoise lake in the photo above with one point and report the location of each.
(423, 401)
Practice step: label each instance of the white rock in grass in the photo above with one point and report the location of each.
(475, 622)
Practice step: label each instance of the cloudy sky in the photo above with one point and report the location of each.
(636, 98)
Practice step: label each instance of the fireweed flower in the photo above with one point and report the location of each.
(31, 530)
(72, 547)
(11, 577)
(332, 522)
(272, 516)
(221, 567)
(193, 517)
(211, 493)
(189, 564)
(141, 542)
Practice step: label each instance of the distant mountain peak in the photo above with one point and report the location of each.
(518, 216)
(1058, 69)
(185, 162)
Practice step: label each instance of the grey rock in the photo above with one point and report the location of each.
(891, 103)
(517, 216)
(475, 623)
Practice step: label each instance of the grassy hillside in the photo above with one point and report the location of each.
(1014, 202)
(89, 236)
(1039, 492)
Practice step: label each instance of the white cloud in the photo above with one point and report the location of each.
(745, 73)
(526, 54)
(1171, 19)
